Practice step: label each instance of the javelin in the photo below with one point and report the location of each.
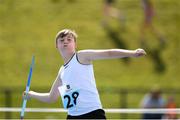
(27, 88)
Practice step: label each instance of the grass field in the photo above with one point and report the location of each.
(29, 27)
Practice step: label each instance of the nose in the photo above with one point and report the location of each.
(67, 40)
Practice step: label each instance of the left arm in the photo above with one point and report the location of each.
(87, 56)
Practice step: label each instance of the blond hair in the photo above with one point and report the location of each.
(64, 33)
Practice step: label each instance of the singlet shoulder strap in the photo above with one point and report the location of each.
(69, 60)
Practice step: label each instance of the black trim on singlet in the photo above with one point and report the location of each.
(69, 60)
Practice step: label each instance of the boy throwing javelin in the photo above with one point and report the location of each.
(75, 82)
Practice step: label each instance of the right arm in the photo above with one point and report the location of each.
(50, 97)
(87, 56)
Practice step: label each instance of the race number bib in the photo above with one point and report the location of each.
(69, 96)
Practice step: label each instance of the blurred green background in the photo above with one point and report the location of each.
(29, 27)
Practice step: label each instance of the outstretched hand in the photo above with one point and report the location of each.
(139, 52)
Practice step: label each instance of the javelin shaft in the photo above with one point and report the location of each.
(27, 88)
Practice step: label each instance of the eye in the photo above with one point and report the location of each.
(69, 39)
(61, 40)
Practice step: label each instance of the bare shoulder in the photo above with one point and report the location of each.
(83, 57)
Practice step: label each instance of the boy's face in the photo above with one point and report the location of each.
(66, 43)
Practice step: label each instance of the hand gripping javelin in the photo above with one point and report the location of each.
(27, 88)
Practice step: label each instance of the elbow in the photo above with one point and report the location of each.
(110, 54)
(52, 99)
(114, 53)
(49, 101)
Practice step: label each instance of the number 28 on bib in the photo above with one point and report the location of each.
(69, 96)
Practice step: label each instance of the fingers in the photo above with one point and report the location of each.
(139, 52)
(26, 95)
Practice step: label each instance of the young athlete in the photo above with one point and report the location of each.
(75, 81)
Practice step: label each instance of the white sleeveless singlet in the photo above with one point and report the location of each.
(78, 91)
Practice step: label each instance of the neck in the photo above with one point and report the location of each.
(67, 56)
